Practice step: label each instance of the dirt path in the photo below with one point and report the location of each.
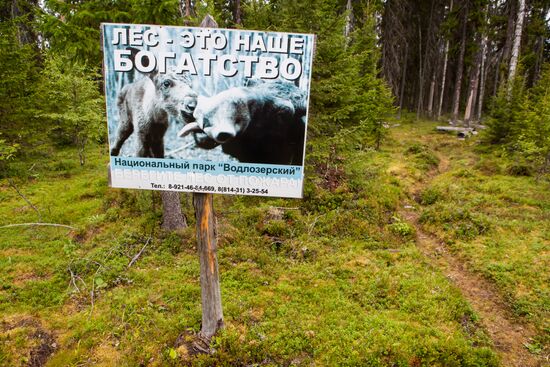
(507, 333)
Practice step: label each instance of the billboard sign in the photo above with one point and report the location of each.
(207, 109)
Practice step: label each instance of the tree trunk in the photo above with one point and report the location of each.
(403, 80)
(431, 97)
(188, 8)
(540, 42)
(509, 29)
(420, 75)
(539, 60)
(483, 72)
(237, 13)
(516, 45)
(482, 79)
(427, 66)
(172, 216)
(443, 80)
(187, 11)
(348, 28)
(460, 70)
(26, 35)
(497, 75)
(472, 90)
(212, 313)
(505, 53)
(444, 76)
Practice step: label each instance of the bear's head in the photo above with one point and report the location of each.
(223, 116)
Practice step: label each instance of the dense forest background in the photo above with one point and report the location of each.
(467, 62)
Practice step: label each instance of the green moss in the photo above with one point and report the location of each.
(334, 279)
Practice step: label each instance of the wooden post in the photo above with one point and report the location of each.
(212, 313)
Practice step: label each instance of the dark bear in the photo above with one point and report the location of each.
(263, 122)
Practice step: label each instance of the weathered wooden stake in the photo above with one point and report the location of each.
(212, 313)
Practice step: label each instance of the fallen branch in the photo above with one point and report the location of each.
(284, 208)
(12, 184)
(38, 224)
(92, 293)
(453, 128)
(92, 296)
(73, 280)
(135, 258)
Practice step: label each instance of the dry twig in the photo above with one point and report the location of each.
(136, 257)
(73, 280)
(12, 184)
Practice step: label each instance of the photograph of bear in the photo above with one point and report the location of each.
(262, 122)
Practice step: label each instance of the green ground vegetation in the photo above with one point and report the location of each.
(334, 279)
(496, 218)
(492, 215)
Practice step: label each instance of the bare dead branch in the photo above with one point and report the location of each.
(92, 297)
(38, 224)
(12, 184)
(135, 258)
(284, 208)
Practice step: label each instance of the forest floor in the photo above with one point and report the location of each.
(427, 253)
(511, 335)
